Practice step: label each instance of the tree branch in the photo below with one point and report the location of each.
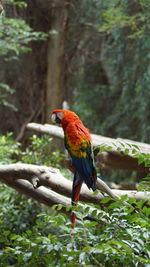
(39, 176)
(42, 194)
(106, 160)
(117, 160)
(46, 196)
(56, 131)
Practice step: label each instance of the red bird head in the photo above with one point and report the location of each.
(62, 116)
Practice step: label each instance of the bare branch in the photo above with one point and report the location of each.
(116, 160)
(98, 140)
(52, 130)
(47, 196)
(106, 160)
(52, 178)
(42, 194)
(35, 182)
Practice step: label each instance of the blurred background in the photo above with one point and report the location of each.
(93, 54)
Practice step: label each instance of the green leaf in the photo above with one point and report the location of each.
(105, 200)
(14, 237)
(94, 213)
(59, 207)
(27, 256)
(126, 151)
(135, 146)
(91, 224)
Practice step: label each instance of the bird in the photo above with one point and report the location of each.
(77, 141)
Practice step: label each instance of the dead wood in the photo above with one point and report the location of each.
(108, 159)
(40, 177)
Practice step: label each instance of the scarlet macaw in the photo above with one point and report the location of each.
(77, 141)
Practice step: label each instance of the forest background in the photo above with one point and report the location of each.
(94, 56)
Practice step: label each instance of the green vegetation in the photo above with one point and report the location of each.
(39, 152)
(32, 234)
(9, 149)
(48, 243)
(108, 75)
(15, 38)
(112, 76)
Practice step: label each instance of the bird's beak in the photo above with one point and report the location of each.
(53, 118)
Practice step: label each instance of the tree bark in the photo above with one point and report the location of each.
(108, 159)
(41, 73)
(1, 8)
(37, 178)
(55, 64)
(50, 198)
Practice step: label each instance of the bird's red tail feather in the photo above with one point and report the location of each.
(75, 198)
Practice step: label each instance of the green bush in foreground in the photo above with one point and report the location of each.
(123, 241)
(33, 235)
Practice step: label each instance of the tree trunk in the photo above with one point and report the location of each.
(38, 76)
(55, 93)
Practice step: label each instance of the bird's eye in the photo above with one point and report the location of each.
(57, 117)
(58, 120)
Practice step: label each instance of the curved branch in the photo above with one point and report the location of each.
(42, 194)
(48, 197)
(52, 178)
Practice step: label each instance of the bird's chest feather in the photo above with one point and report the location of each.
(76, 144)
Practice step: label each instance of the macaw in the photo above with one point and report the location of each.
(77, 141)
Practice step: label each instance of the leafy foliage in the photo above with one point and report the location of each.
(31, 234)
(125, 239)
(39, 152)
(15, 37)
(111, 79)
(5, 91)
(112, 95)
(131, 150)
(17, 213)
(9, 150)
(122, 14)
